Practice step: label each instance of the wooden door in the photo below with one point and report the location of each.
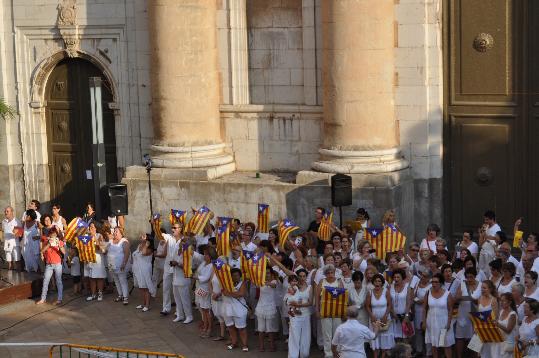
(485, 145)
(69, 134)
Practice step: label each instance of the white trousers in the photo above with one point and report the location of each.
(182, 297)
(120, 281)
(299, 340)
(318, 332)
(329, 325)
(167, 291)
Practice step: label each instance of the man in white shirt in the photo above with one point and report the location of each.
(168, 270)
(12, 245)
(34, 205)
(491, 227)
(350, 337)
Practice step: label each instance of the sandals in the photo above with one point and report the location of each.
(231, 346)
(245, 349)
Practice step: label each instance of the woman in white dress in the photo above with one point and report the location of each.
(299, 299)
(358, 295)
(202, 290)
(439, 306)
(467, 243)
(517, 291)
(266, 313)
(235, 310)
(429, 242)
(507, 322)
(217, 303)
(468, 293)
(30, 242)
(529, 329)
(57, 219)
(508, 278)
(159, 262)
(530, 284)
(118, 256)
(96, 271)
(489, 302)
(142, 272)
(378, 306)
(420, 292)
(401, 299)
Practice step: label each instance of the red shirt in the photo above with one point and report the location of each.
(52, 254)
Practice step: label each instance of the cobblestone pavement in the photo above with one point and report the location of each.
(110, 324)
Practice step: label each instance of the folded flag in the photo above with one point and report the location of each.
(187, 256)
(257, 269)
(222, 270)
(223, 240)
(156, 226)
(86, 246)
(286, 226)
(76, 227)
(485, 327)
(263, 218)
(177, 216)
(324, 230)
(333, 303)
(198, 222)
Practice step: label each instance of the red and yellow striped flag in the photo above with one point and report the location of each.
(257, 269)
(198, 222)
(333, 303)
(393, 238)
(223, 220)
(187, 255)
(485, 327)
(286, 226)
(324, 230)
(263, 218)
(86, 246)
(177, 216)
(156, 226)
(244, 263)
(76, 227)
(517, 353)
(223, 240)
(222, 270)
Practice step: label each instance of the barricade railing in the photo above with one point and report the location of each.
(82, 350)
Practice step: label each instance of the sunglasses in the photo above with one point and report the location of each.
(175, 228)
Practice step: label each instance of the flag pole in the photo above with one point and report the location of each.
(148, 164)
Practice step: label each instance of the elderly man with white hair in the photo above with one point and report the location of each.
(350, 337)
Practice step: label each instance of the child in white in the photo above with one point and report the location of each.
(74, 265)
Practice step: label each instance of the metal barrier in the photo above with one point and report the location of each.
(81, 350)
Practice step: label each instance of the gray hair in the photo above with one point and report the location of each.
(425, 271)
(352, 312)
(441, 241)
(519, 287)
(328, 267)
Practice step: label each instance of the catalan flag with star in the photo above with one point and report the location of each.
(257, 269)
(324, 230)
(263, 218)
(76, 227)
(222, 221)
(177, 216)
(244, 263)
(333, 302)
(222, 271)
(223, 240)
(394, 239)
(286, 226)
(198, 222)
(187, 256)
(86, 246)
(485, 327)
(156, 226)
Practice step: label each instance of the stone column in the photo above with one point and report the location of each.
(360, 134)
(185, 88)
(239, 52)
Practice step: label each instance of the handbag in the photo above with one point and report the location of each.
(201, 292)
(407, 329)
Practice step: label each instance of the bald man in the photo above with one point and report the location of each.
(350, 337)
(12, 244)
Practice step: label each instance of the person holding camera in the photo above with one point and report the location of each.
(52, 253)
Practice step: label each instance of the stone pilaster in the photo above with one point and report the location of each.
(185, 87)
(239, 52)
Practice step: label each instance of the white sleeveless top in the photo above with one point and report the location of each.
(115, 254)
(58, 223)
(398, 299)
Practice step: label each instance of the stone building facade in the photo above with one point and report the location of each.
(217, 90)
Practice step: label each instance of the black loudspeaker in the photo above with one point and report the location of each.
(118, 199)
(341, 190)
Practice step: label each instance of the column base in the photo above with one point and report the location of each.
(360, 162)
(194, 162)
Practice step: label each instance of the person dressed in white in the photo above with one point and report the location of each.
(401, 299)
(118, 256)
(429, 242)
(217, 303)
(171, 247)
(508, 324)
(378, 305)
(57, 219)
(235, 310)
(358, 295)
(96, 271)
(468, 292)
(420, 293)
(350, 337)
(142, 272)
(266, 313)
(488, 303)
(159, 262)
(12, 246)
(34, 205)
(181, 285)
(438, 305)
(202, 291)
(529, 329)
(30, 242)
(299, 299)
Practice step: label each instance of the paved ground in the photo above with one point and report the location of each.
(111, 324)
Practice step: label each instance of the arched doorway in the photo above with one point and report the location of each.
(69, 134)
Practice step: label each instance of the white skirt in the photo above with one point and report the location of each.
(95, 269)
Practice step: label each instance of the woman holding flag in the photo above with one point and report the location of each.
(266, 312)
(202, 291)
(488, 302)
(235, 310)
(118, 255)
(96, 270)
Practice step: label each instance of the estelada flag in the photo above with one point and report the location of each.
(517, 239)
(244, 263)
(223, 240)
(324, 230)
(76, 227)
(333, 303)
(263, 218)
(394, 239)
(177, 216)
(485, 327)
(187, 255)
(286, 226)
(257, 269)
(86, 246)
(222, 271)
(374, 236)
(156, 226)
(223, 220)
(198, 222)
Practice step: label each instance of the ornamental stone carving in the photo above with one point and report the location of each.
(67, 13)
(68, 27)
(483, 42)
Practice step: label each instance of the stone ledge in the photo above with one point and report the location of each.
(384, 180)
(198, 174)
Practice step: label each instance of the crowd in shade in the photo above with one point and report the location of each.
(362, 290)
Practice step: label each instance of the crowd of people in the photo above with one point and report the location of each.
(415, 301)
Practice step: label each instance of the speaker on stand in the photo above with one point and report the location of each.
(117, 199)
(341, 192)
